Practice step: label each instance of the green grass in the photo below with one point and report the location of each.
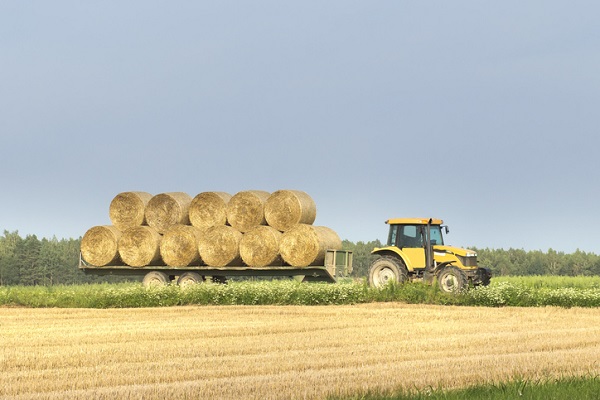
(553, 282)
(567, 388)
(504, 291)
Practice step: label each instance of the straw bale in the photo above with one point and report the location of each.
(167, 209)
(99, 245)
(209, 209)
(286, 208)
(259, 247)
(140, 246)
(127, 209)
(219, 246)
(305, 245)
(179, 246)
(246, 209)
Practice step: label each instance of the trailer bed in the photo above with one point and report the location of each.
(337, 263)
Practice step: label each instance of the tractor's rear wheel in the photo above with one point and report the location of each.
(387, 269)
(452, 280)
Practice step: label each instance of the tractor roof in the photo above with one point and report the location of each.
(413, 221)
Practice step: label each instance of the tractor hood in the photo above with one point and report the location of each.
(454, 250)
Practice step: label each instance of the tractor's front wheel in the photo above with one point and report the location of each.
(452, 280)
(387, 269)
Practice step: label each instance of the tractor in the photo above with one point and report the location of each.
(415, 251)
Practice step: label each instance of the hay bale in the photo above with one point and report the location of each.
(127, 209)
(259, 247)
(286, 208)
(305, 245)
(99, 245)
(140, 246)
(167, 209)
(219, 246)
(179, 246)
(246, 209)
(209, 209)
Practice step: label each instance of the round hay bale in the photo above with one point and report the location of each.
(246, 209)
(127, 209)
(259, 247)
(140, 246)
(179, 246)
(209, 209)
(219, 246)
(99, 245)
(167, 209)
(286, 208)
(305, 245)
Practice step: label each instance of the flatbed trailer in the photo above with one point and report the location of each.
(337, 263)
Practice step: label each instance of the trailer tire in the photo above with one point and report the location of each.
(387, 269)
(452, 280)
(188, 279)
(155, 279)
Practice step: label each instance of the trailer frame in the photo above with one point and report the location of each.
(337, 263)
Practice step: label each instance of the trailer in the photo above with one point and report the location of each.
(337, 263)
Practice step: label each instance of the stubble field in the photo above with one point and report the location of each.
(282, 352)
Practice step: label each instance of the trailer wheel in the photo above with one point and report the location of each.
(387, 269)
(452, 280)
(189, 279)
(155, 279)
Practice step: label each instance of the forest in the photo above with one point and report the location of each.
(32, 261)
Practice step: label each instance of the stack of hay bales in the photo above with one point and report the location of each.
(253, 228)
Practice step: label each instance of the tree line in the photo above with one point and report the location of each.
(32, 261)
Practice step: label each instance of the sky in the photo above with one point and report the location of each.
(483, 114)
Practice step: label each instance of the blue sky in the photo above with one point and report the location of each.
(484, 115)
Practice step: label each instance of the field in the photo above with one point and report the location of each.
(282, 352)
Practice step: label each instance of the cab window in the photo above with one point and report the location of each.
(410, 236)
(436, 235)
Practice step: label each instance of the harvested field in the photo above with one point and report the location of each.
(283, 352)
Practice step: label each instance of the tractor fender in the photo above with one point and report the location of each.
(395, 252)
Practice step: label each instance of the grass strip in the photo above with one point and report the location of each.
(565, 388)
(498, 294)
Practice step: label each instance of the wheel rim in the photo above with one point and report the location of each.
(449, 283)
(384, 276)
(156, 282)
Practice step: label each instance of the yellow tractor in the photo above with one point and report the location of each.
(415, 250)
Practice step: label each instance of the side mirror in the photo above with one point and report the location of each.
(446, 229)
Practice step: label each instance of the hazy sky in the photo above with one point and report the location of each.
(484, 114)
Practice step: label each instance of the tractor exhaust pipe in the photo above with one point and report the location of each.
(429, 262)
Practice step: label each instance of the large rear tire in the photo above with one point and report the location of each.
(387, 269)
(452, 280)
